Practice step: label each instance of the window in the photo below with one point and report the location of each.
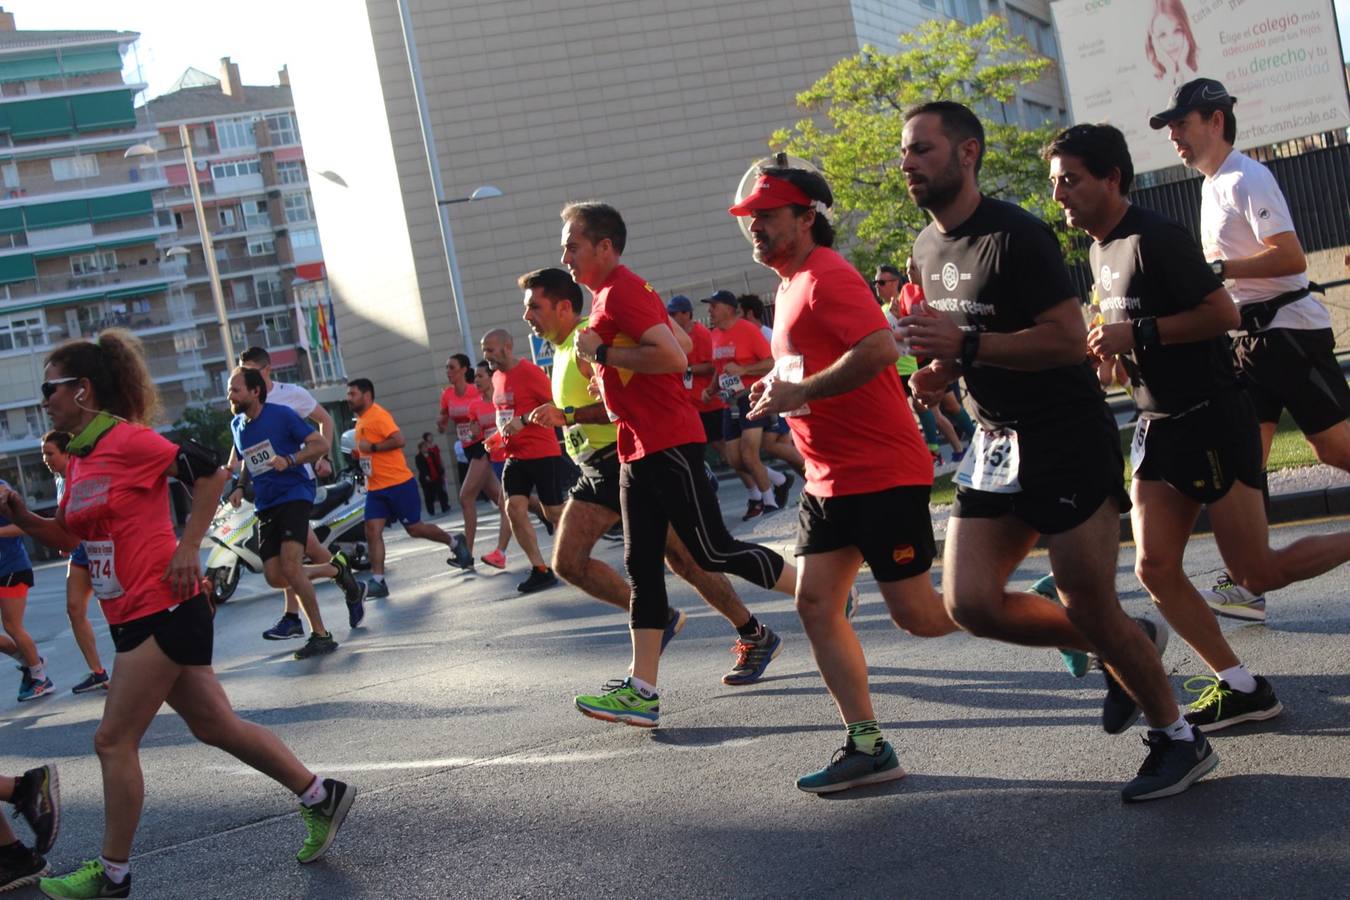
(298, 207)
(11, 172)
(93, 263)
(72, 167)
(304, 237)
(233, 134)
(255, 214)
(178, 221)
(1040, 35)
(226, 216)
(187, 341)
(21, 331)
(239, 334)
(292, 172)
(261, 246)
(235, 169)
(1034, 114)
(281, 128)
(967, 11)
(268, 289)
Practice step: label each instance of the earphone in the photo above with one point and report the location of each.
(79, 395)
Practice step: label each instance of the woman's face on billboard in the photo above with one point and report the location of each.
(1169, 38)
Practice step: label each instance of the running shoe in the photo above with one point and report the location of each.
(95, 681)
(20, 867)
(537, 580)
(675, 619)
(87, 882)
(850, 767)
(1119, 711)
(37, 800)
(462, 556)
(780, 492)
(31, 689)
(317, 645)
(496, 559)
(356, 608)
(1233, 601)
(287, 627)
(376, 590)
(624, 704)
(352, 589)
(1170, 767)
(753, 508)
(1219, 706)
(324, 820)
(615, 533)
(753, 656)
(1076, 661)
(853, 603)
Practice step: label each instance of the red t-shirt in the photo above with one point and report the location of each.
(458, 409)
(864, 440)
(117, 502)
(654, 412)
(911, 295)
(486, 416)
(744, 344)
(517, 393)
(701, 353)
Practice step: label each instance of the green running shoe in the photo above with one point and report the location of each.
(622, 704)
(88, 881)
(1076, 661)
(324, 820)
(850, 767)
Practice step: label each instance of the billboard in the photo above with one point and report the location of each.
(1281, 59)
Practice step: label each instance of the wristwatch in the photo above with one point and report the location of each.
(569, 415)
(1217, 266)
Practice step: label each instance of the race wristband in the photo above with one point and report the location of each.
(970, 348)
(1146, 335)
(601, 354)
(290, 459)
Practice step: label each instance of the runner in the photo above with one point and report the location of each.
(1285, 350)
(431, 474)
(553, 303)
(277, 448)
(36, 799)
(16, 577)
(485, 466)
(1197, 441)
(454, 417)
(390, 490)
(79, 589)
(698, 376)
(778, 441)
(1047, 459)
(867, 476)
(638, 367)
(149, 585)
(741, 357)
(303, 404)
(532, 454)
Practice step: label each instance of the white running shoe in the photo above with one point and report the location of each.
(1233, 601)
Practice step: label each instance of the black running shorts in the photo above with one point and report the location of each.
(280, 523)
(599, 481)
(1294, 369)
(543, 476)
(185, 633)
(1203, 451)
(712, 424)
(892, 528)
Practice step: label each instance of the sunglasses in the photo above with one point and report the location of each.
(49, 387)
(880, 281)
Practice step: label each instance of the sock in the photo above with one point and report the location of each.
(315, 794)
(866, 736)
(749, 629)
(13, 851)
(929, 425)
(754, 493)
(291, 615)
(768, 499)
(38, 672)
(1238, 678)
(647, 691)
(965, 428)
(541, 568)
(117, 872)
(378, 579)
(1180, 730)
(776, 478)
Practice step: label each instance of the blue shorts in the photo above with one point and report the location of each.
(498, 468)
(79, 558)
(400, 502)
(736, 419)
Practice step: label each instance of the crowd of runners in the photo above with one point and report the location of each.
(852, 388)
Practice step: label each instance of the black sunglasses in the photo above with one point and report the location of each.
(881, 281)
(49, 387)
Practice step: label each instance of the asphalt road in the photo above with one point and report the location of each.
(450, 709)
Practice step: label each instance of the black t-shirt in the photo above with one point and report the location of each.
(997, 271)
(1150, 266)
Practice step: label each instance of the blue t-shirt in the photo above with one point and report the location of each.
(13, 553)
(277, 431)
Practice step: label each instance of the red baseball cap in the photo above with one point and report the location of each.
(770, 193)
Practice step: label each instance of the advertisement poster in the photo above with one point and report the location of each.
(1281, 59)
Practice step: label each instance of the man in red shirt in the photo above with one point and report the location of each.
(868, 474)
(532, 452)
(639, 370)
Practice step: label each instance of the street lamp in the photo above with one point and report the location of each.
(208, 247)
(486, 192)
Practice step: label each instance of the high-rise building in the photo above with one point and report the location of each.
(657, 106)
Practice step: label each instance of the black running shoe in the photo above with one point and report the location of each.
(1219, 706)
(1171, 767)
(615, 533)
(753, 508)
(352, 590)
(37, 800)
(356, 608)
(780, 493)
(20, 867)
(462, 557)
(538, 580)
(1119, 711)
(317, 645)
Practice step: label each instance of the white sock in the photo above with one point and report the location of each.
(775, 477)
(1180, 730)
(755, 494)
(768, 500)
(314, 794)
(117, 872)
(1238, 678)
(378, 579)
(648, 691)
(38, 672)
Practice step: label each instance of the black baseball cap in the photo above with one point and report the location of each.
(1197, 94)
(726, 297)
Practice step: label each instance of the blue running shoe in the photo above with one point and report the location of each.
(1076, 661)
(376, 590)
(851, 767)
(674, 625)
(753, 656)
(287, 627)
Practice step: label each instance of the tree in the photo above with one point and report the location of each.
(860, 104)
(208, 426)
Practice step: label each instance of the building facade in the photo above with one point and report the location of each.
(656, 106)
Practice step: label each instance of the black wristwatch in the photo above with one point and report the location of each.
(970, 348)
(1146, 335)
(1217, 266)
(601, 353)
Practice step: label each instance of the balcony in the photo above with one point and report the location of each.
(67, 84)
(230, 267)
(125, 279)
(118, 180)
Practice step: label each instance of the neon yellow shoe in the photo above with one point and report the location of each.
(88, 881)
(623, 704)
(324, 820)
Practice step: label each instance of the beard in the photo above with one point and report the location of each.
(940, 190)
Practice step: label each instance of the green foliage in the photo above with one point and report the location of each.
(208, 426)
(858, 109)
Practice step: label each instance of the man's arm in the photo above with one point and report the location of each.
(393, 442)
(657, 353)
(681, 336)
(1283, 256)
(1215, 315)
(1059, 338)
(859, 364)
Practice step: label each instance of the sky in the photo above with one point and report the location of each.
(174, 37)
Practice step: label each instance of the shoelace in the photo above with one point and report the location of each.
(743, 649)
(91, 871)
(613, 685)
(1155, 743)
(1211, 694)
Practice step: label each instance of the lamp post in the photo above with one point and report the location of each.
(208, 247)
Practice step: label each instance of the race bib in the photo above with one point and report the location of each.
(578, 444)
(504, 415)
(730, 384)
(259, 457)
(464, 432)
(1137, 444)
(365, 466)
(791, 369)
(991, 464)
(102, 571)
(688, 379)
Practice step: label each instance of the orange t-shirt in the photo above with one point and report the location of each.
(383, 468)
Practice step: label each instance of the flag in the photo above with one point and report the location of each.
(302, 333)
(323, 329)
(332, 316)
(314, 329)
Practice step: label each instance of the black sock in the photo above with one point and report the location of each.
(749, 629)
(295, 616)
(13, 850)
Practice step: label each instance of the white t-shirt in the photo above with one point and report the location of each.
(1240, 205)
(768, 332)
(299, 400)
